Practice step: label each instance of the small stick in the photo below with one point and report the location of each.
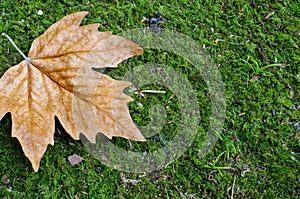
(262, 54)
(151, 91)
(232, 189)
(16, 47)
(278, 75)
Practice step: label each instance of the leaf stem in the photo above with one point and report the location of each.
(13, 43)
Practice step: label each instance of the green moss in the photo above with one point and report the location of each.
(259, 132)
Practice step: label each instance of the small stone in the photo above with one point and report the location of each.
(140, 104)
(75, 159)
(40, 12)
(27, 27)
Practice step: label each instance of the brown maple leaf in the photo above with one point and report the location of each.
(56, 79)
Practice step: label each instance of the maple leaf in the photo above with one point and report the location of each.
(56, 79)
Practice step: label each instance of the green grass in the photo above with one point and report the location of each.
(256, 148)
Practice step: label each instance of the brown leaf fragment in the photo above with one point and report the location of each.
(77, 196)
(254, 78)
(75, 159)
(56, 79)
(222, 6)
(269, 15)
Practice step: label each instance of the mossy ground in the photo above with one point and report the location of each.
(260, 142)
